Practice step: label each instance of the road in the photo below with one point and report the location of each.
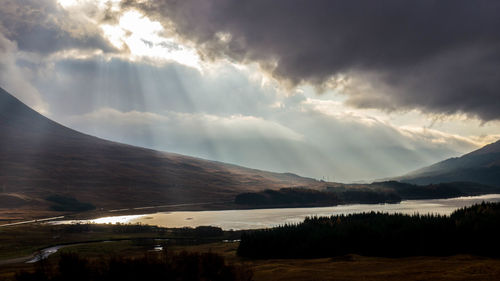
(32, 221)
(117, 210)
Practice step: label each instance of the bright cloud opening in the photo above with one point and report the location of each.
(143, 39)
(134, 33)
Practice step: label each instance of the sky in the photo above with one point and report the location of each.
(336, 90)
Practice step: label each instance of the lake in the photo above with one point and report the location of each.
(265, 218)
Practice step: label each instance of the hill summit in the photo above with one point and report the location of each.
(40, 159)
(480, 166)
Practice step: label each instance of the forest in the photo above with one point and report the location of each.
(374, 193)
(308, 197)
(68, 204)
(164, 266)
(471, 230)
(408, 191)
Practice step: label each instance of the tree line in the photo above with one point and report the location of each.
(310, 197)
(374, 193)
(472, 230)
(176, 266)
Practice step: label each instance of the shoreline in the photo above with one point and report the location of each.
(194, 207)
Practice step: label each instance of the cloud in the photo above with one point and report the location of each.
(79, 86)
(295, 138)
(436, 56)
(57, 55)
(354, 146)
(15, 79)
(43, 27)
(228, 114)
(189, 125)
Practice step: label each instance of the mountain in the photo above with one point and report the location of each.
(480, 166)
(42, 161)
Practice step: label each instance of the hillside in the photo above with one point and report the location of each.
(40, 158)
(480, 166)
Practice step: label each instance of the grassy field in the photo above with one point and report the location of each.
(352, 267)
(22, 240)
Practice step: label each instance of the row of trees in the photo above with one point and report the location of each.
(472, 230)
(181, 266)
(68, 204)
(286, 196)
(199, 231)
(306, 197)
(434, 191)
(377, 192)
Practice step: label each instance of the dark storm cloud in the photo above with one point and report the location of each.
(42, 26)
(438, 56)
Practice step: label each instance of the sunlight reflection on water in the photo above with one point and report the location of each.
(264, 218)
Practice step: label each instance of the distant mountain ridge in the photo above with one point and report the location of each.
(40, 158)
(480, 166)
(42, 162)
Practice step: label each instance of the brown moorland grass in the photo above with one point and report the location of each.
(350, 267)
(353, 267)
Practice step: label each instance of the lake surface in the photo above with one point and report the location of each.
(265, 218)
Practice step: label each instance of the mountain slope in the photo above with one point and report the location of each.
(40, 158)
(481, 166)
